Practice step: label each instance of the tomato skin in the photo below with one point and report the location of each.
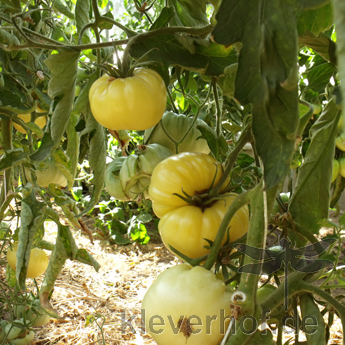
(187, 227)
(38, 262)
(51, 175)
(340, 142)
(192, 172)
(177, 125)
(184, 226)
(264, 292)
(342, 166)
(134, 103)
(112, 179)
(190, 292)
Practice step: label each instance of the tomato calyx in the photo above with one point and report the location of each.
(200, 199)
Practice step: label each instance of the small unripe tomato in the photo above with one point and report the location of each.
(134, 103)
(40, 121)
(38, 261)
(340, 142)
(342, 166)
(335, 170)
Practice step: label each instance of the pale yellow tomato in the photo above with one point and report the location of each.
(133, 103)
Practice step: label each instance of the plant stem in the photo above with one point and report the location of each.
(219, 111)
(245, 137)
(6, 131)
(240, 201)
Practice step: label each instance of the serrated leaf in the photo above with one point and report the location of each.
(163, 19)
(63, 68)
(315, 20)
(8, 39)
(310, 199)
(190, 13)
(84, 257)
(12, 102)
(208, 61)
(63, 164)
(266, 77)
(82, 10)
(97, 159)
(31, 219)
(320, 76)
(12, 158)
(339, 13)
(210, 135)
(62, 8)
(82, 102)
(44, 151)
(73, 144)
(321, 44)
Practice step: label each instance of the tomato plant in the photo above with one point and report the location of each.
(40, 121)
(134, 103)
(38, 261)
(185, 298)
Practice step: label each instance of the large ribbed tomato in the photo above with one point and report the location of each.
(185, 226)
(187, 306)
(134, 103)
(176, 126)
(50, 173)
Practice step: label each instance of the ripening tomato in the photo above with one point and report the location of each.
(187, 305)
(134, 103)
(184, 226)
(38, 262)
(51, 174)
(39, 121)
(176, 126)
(335, 170)
(340, 142)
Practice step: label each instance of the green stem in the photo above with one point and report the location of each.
(256, 237)
(240, 201)
(244, 138)
(6, 131)
(219, 111)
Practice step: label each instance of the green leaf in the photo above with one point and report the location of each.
(339, 13)
(12, 158)
(315, 20)
(63, 164)
(209, 60)
(8, 39)
(310, 4)
(62, 8)
(82, 102)
(82, 10)
(319, 76)
(310, 199)
(63, 68)
(44, 151)
(73, 143)
(321, 44)
(10, 276)
(266, 76)
(12, 102)
(163, 19)
(106, 25)
(189, 12)
(97, 159)
(31, 219)
(84, 257)
(210, 135)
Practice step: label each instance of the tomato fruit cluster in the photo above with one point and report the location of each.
(184, 226)
(128, 177)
